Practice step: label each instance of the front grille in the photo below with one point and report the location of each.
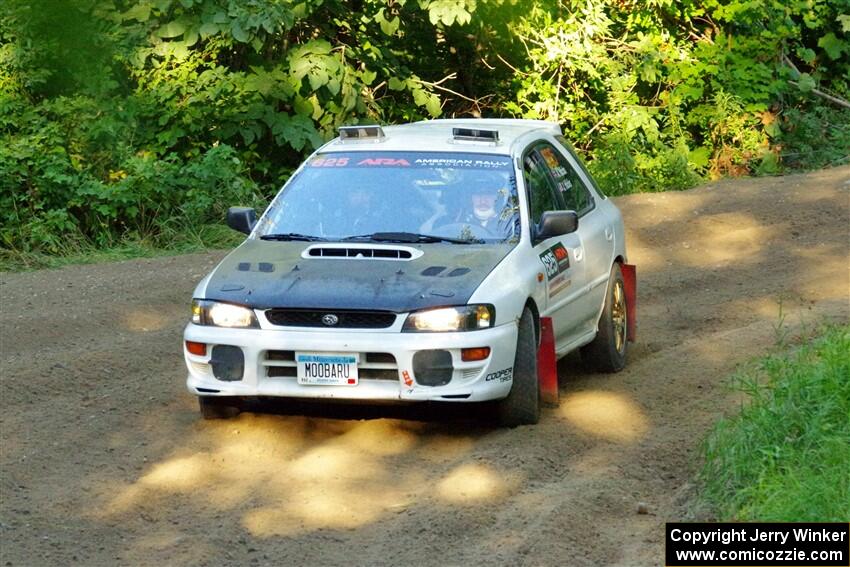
(280, 355)
(346, 319)
(372, 365)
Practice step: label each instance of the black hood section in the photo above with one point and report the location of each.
(264, 274)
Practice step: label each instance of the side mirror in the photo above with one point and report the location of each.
(242, 219)
(557, 223)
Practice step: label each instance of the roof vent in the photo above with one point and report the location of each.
(369, 132)
(476, 135)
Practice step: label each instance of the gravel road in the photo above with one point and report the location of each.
(104, 459)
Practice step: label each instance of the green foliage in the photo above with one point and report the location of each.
(121, 118)
(658, 94)
(815, 136)
(68, 177)
(785, 457)
(153, 114)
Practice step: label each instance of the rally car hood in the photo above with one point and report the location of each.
(264, 274)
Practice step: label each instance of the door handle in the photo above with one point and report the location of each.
(609, 233)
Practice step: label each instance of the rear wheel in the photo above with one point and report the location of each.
(215, 407)
(607, 352)
(522, 406)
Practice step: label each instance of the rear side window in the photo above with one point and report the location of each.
(541, 196)
(568, 182)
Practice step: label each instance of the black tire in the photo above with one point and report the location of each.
(522, 405)
(213, 407)
(607, 351)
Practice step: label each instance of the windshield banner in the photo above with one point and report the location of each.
(429, 160)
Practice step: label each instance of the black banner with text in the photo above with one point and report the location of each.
(757, 544)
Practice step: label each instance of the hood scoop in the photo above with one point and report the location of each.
(345, 251)
(440, 271)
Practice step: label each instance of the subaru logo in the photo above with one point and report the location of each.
(330, 320)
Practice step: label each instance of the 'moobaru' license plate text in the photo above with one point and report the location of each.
(327, 369)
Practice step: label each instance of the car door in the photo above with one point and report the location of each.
(563, 275)
(594, 229)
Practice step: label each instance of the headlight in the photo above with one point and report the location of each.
(222, 314)
(462, 318)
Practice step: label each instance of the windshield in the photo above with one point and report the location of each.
(461, 197)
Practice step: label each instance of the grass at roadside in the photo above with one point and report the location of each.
(76, 250)
(786, 456)
(14, 261)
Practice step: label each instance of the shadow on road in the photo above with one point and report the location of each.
(105, 458)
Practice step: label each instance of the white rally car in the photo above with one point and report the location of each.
(415, 263)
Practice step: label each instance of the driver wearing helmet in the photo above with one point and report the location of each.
(488, 206)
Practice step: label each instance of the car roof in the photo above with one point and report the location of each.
(436, 136)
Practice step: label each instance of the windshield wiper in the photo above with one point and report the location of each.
(291, 236)
(411, 237)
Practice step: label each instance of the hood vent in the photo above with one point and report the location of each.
(361, 252)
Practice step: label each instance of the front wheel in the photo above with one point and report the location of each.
(607, 352)
(215, 407)
(522, 406)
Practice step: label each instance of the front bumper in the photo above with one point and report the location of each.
(469, 381)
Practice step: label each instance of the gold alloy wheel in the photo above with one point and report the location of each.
(618, 316)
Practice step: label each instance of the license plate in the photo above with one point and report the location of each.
(326, 368)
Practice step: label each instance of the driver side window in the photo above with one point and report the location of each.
(572, 189)
(541, 195)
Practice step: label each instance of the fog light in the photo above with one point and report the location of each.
(228, 363)
(433, 367)
(477, 353)
(198, 349)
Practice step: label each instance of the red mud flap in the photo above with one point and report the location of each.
(629, 272)
(547, 364)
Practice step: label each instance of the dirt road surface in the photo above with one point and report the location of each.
(104, 459)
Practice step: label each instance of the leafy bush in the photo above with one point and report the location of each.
(661, 93)
(815, 136)
(785, 458)
(121, 118)
(67, 178)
